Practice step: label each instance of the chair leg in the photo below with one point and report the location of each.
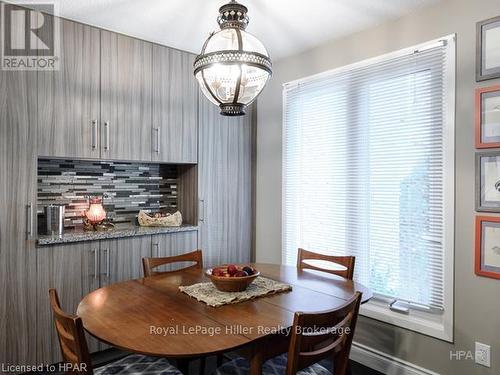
(220, 360)
(203, 365)
(183, 365)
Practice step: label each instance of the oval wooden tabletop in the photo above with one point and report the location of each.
(151, 316)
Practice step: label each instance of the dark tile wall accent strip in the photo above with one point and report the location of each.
(126, 187)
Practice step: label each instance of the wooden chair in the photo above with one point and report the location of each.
(76, 354)
(196, 256)
(71, 336)
(346, 261)
(150, 263)
(313, 337)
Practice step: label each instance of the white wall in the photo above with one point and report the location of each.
(477, 302)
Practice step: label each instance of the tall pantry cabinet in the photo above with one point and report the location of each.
(17, 216)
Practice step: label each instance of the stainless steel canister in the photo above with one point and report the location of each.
(54, 216)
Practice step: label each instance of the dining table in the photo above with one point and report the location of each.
(152, 316)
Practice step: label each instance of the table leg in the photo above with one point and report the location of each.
(256, 361)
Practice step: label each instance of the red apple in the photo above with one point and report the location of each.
(218, 272)
(240, 274)
(231, 269)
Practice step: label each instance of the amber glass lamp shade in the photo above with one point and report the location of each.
(95, 214)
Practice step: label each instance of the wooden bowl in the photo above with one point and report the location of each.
(231, 284)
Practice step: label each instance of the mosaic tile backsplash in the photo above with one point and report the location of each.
(126, 187)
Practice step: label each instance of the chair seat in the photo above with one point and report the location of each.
(275, 366)
(138, 364)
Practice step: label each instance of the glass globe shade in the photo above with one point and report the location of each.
(234, 66)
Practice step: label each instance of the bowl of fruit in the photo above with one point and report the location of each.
(232, 278)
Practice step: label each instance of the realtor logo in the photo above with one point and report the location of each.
(29, 36)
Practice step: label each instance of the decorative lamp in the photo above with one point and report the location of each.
(233, 66)
(95, 214)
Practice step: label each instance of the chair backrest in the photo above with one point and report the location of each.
(346, 261)
(71, 338)
(327, 334)
(150, 263)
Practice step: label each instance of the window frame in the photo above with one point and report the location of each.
(432, 323)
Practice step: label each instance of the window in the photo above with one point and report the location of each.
(369, 171)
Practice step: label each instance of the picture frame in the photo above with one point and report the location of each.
(488, 181)
(487, 252)
(488, 49)
(487, 117)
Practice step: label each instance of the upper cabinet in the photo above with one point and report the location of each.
(175, 106)
(126, 88)
(117, 98)
(68, 99)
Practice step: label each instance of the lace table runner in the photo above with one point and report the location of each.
(208, 293)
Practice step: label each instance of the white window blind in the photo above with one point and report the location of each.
(365, 171)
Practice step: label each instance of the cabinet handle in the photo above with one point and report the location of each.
(29, 225)
(157, 147)
(96, 263)
(106, 135)
(94, 134)
(107, 263)
(157, 246)
(202, 210)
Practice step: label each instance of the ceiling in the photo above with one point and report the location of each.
(286, 27)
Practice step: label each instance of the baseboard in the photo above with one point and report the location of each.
(385, 363)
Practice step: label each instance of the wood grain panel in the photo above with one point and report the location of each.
(71, 270)
(188, 193)
(175, 106)
(68, 99)
(126, 91)
(165, 245)
(17, 189)
(125, 258)
(225, 185)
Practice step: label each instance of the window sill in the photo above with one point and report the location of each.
(439, 326)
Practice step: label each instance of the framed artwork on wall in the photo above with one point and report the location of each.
(488, 49)
(488, 117)
(487, 259)
(488, 181)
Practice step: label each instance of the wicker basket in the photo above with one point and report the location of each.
(171, 220)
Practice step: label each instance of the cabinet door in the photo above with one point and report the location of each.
(74, 272)
(121, 259)
(125, 97)
(68, 99)
(165, 245)
(18, 216)
(225, 185)
(175, 106)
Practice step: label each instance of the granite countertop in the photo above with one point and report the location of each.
(120, 231)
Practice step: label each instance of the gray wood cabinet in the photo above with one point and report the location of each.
(117, 98)
(18, 218)
(165, 245)
(225, 185)
(73, 270)
(122, 259)
(126, 89)
(175, 106)
(68, 99)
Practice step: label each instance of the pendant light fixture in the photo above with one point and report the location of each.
(233, 66)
